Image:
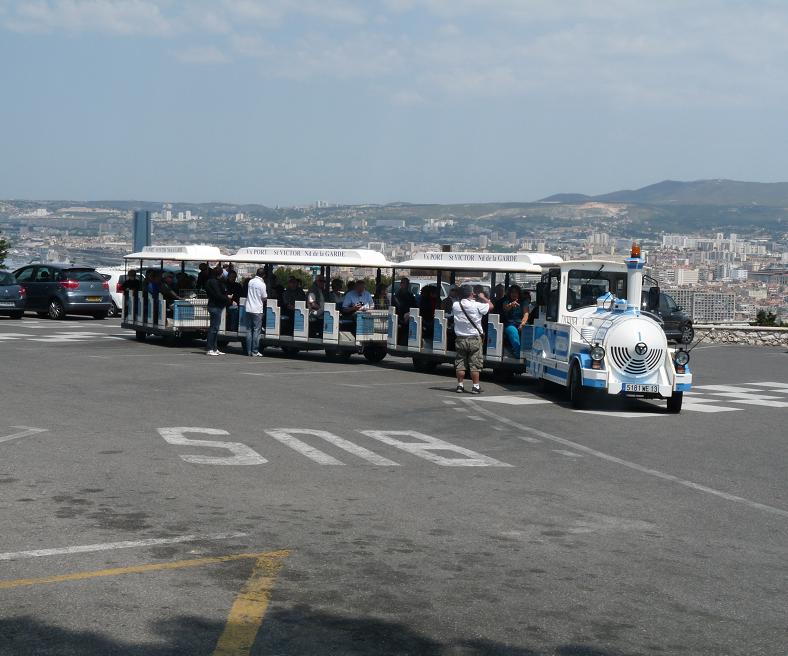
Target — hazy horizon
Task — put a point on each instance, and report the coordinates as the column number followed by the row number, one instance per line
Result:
column 287, row 102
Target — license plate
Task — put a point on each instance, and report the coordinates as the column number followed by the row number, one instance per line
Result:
column 633, row 387
column 7, row 304
column 94, row 299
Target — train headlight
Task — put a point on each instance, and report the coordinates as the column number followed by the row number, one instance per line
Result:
column 597, row 353
column 681, row 358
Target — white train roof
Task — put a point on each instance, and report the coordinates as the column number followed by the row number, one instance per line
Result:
column 608, row 265
column 179, row 253
column 508, row 262
column 350, row 257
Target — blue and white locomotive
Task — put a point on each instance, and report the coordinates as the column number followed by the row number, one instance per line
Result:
column 591, row 337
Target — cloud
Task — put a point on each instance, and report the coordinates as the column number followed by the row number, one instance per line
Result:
column 202, row 55
column 631, row 51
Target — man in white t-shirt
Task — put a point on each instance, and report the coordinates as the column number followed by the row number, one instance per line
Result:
column 467, row 313
column 256, row 296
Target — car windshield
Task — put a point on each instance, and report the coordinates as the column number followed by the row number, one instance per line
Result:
column 7, row 278
column 83, row 275
column 585, row 287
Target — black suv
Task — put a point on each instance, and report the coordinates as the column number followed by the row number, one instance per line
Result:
column 674, row 319
column 55, row 290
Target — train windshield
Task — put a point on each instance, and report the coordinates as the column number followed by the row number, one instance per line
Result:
column 585, row 287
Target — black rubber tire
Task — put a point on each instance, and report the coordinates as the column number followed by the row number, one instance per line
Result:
column 674, row 403
column 574, row 389
column 55, row 311
column 375, row 353
column 687, row 335
column 140, row 335
column 16, row 315
column 114, row 310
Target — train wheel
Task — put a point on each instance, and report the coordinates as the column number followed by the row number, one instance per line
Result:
column 674, row 403
column 374, row 353
column 140, row 335
column 575, row 391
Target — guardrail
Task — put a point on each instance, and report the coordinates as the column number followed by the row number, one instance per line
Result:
column 745, row 335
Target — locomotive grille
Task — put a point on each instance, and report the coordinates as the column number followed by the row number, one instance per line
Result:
column 634, row 364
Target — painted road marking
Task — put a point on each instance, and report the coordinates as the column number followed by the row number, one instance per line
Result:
column 244, row 455
column 109, row 546
column 514, row 400
column 633, row 465
column 24, row 431
column 286, row 437
column 569, row 454
column 292, row 373
column 426, row 445
column 781, row 387
column 249, row 608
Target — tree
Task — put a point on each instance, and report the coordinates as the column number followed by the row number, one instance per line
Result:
column 4, row 245
column 764, row 318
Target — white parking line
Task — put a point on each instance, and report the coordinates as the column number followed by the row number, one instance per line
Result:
column 25, row 431
column 109, row 546
column 633, row 465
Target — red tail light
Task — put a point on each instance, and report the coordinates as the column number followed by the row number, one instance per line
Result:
column 119, row 288
column 22, row 291
column 70, row 284
column 105, row 285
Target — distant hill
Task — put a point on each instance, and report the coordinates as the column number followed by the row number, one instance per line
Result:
column 697, row 192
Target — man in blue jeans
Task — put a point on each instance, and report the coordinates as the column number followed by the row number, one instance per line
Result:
column 217, row 301
column 256, row 296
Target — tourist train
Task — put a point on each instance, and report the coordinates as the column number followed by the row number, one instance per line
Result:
column 582, row 328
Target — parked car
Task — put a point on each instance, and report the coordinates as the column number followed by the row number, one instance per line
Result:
column 115, row 277
column 674, row 319
column 12, row 296
column 55, row 290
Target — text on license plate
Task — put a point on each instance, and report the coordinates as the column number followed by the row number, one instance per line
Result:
column 634, row 387
column 94, row 299
column 6, row 304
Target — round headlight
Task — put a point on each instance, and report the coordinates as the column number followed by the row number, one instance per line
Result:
column 681, row 358
column 597, row 352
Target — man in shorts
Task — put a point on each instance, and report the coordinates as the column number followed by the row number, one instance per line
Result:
column 467, row 313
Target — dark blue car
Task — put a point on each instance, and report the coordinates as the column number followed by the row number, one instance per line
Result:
column 12, row 296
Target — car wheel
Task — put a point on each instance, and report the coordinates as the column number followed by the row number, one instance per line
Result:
column 687, row 334
column 114, row 310
column 56, row 310
column 674, row 403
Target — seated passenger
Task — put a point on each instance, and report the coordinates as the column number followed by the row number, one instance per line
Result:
column 315, row 304
column 292, row 294
column 428, row 303
column 357, row 299
column 514, row 316
column 336, row 295
column 381, row 297
column 403, row 301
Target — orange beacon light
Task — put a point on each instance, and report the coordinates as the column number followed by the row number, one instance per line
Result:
column 635, row 252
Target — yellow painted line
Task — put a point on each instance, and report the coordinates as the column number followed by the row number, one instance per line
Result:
column 267, row 556
column 249, row 607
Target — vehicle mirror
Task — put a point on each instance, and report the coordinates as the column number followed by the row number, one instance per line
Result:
column 541, row 294
column 653, row 298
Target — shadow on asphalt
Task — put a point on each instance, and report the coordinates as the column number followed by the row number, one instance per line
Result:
column 299, row 631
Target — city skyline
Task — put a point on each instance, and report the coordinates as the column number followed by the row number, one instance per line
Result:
column 401, row 100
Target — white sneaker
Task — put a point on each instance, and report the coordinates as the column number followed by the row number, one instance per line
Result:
column 212, row 353
column 258, row 354
column 218, row 352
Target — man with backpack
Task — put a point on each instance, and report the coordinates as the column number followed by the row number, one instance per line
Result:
column 467, row 313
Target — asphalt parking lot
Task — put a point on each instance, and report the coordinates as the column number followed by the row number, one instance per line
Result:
column 156, row 501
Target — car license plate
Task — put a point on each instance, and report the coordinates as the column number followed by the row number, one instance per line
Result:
column 634, row 387
column 6, row 304
column 94, row 299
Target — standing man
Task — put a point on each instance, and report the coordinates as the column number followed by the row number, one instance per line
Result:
column 217, row 301
column 256, row 296
column 467, row 313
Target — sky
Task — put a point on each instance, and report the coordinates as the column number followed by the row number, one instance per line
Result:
column 355, row 101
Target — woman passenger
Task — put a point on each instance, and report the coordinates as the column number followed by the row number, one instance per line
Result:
column 514, row 316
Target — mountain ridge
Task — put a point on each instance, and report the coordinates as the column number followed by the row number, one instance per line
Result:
column 695, row 192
